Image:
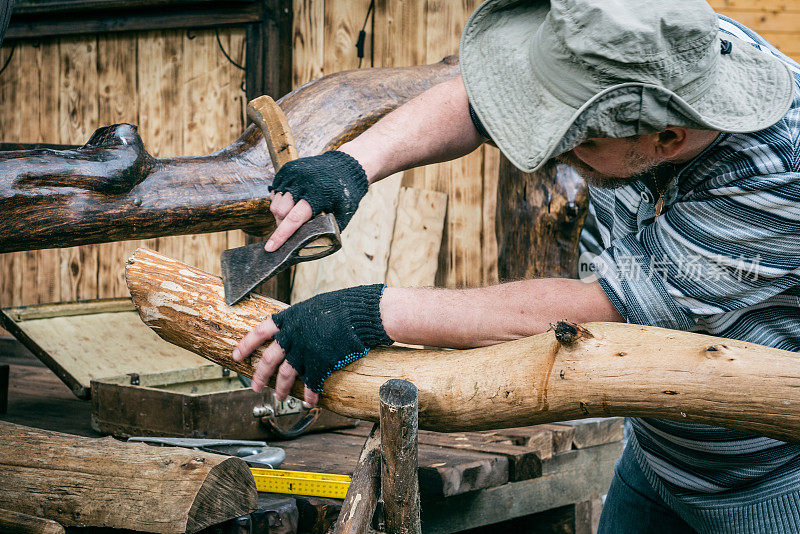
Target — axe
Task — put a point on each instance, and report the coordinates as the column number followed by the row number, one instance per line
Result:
column 245, row 268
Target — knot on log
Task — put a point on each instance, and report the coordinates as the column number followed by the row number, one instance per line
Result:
column 112, row 162
column 568, row 333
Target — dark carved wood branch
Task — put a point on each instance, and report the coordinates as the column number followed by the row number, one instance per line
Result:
column 111, row 189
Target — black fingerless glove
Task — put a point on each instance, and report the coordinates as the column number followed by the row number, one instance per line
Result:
column 326, row 332
column 333, row 182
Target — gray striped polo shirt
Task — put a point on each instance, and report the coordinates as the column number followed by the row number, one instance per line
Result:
column 723, row 259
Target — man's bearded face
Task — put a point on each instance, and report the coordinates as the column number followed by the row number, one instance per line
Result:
column 613, row 163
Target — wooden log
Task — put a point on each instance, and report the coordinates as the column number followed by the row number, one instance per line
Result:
column 111, row 189
column 399, row 483
column 16, row 523
column 362, row 495
column 596, row 370
column 79, row 481
column 539, row 220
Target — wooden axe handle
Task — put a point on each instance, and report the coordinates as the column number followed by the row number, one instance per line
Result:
column 269, row 117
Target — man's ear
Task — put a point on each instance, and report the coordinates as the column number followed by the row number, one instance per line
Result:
column 668, row 144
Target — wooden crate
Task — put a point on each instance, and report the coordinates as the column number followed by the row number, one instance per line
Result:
column 138, row 383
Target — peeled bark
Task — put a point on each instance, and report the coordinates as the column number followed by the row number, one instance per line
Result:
column 595, row 370
column 111, row 189
column 80, row 481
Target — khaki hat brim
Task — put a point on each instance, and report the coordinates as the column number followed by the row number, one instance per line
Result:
column 751, row 90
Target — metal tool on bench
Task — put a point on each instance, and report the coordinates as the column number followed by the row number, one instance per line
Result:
column 263, row 460
column 255, row 453
column 245, row 268
column 268, row 415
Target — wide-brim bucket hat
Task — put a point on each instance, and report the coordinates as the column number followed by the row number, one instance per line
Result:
column 545, row 76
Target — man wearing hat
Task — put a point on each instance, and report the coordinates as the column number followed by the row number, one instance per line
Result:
column 686, row 126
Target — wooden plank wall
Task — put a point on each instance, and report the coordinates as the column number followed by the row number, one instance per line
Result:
column 187, row 99
column 177, row 86
column 402, row 33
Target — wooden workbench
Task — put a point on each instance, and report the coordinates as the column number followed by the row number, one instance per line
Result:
column 545, row 478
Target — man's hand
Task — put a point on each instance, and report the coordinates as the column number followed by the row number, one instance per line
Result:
column 316, row 337
column 333, row 182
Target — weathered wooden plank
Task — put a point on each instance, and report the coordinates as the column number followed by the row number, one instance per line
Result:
column 595, row 431
column 400, row 33
column 160, row 56
column 417, row 238
column 118, row 101
column 461, row 262
column 11, row 265
column 769, row 20
column 78, row 118
column 233, row 101
column 399, row 41
column 523, row 461
column 206, row 126
column 47, row 284
column 491, row 169
column 562, row 437
column 572, row 477
column 535, row 438
column 343, row 21
column 732, row 6
column 308, row 37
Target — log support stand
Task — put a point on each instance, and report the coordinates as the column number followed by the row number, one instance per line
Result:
column 359, row 504
column 399, row 405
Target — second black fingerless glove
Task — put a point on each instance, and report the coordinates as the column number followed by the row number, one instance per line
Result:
column 326, row 332
column 333, row 182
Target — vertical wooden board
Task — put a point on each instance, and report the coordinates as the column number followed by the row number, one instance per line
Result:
column 118, row 101
column 77, row 119
column 343, row 21
column 491, row 168
column 417, row 237
column 160, row 56
column 13, row 97
column 400, row 41
column 27, row 118
column 400, row 33
column 365, row 246
column 206, row 127
column 48, row 67
column 234, row 101
column 461, row 262
column 308, row 37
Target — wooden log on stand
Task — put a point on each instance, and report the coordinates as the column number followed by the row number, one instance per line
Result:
column 399, row 482
column 359, row 504
column 112, row 189
column 80, row 481
column 574, row 372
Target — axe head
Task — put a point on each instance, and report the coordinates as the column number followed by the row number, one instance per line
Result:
column 245, row 268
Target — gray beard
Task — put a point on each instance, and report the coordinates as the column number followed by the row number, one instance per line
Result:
column 656, row 176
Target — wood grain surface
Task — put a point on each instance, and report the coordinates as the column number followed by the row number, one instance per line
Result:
column 81, row 481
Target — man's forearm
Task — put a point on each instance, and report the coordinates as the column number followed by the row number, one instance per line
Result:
column 433, row 127
column 464, row 318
